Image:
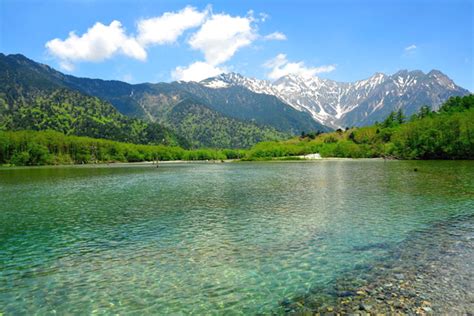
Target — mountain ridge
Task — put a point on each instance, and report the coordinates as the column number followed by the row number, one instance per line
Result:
column 152, row 101
column 362, row 102
column 36, row 96
column 290, row 104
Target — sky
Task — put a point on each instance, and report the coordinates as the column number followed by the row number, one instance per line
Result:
column 153, row 41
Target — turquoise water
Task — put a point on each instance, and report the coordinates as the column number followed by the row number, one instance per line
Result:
column 208, row 238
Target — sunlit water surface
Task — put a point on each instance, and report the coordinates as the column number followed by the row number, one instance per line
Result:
column 208, row 238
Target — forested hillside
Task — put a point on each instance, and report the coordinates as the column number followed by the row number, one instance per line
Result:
column 445, row 134
column 203, row 126
column 72, row 113
column 29, row 99
column 36, row 97
column 245, row 105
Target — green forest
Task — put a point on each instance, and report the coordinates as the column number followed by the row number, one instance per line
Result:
column 203, row 127
column 191, row 126
column 36, row 97
column 445, row 134
column 20, row 148
column 73, row 113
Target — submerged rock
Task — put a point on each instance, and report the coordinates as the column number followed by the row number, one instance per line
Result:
column 365, row 307
column 345, row 293
column 428, row 275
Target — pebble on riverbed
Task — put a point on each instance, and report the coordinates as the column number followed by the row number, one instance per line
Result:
column 405, row 286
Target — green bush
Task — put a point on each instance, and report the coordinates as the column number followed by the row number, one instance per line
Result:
column 21, row 158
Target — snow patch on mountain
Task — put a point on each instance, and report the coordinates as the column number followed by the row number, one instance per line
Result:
column 338, row 104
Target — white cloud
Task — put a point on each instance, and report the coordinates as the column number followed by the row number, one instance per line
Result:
column 196, row 71
column 280, row 66
column 166, row 28
column 263, row 17
column 276, row 36
column 222, row 35
column 219, row 37
column 98, row 43
column 101, row 41
column 410, row 48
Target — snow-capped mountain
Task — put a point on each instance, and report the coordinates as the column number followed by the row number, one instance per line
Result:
column 339, row 104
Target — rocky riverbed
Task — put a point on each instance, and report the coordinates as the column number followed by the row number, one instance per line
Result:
column 432, row 273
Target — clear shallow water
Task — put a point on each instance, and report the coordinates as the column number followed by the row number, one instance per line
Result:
column 208, row 238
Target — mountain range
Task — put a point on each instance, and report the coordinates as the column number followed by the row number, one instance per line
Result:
column 35, row 96
column 364, row 102
column 229, row 110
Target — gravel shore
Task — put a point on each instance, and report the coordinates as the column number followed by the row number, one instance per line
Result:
column 432, row 273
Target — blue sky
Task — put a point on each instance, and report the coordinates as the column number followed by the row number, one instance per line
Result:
column 153, row 41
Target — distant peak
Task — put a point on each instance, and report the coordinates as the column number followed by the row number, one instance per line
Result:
column 229, row 75
column 435, row 72
column 15, row 56
column 401, row 72
column 417, row 72
column 223, row 80
column 225, row 76
column 233, row 74
column 406, row 72
column 296, row 78
column 378, row 76
column 292, row 76
column 442, row 79
column 19, row 57
column 299, row 77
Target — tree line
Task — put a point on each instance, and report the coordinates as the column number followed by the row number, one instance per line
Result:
column 445, row 134
column 30, row 148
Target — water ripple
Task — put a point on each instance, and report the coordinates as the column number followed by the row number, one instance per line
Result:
column 208, row 238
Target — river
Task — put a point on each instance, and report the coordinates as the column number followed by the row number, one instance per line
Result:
column 215, row 238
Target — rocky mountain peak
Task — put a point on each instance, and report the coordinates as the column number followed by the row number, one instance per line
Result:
column 339, row 104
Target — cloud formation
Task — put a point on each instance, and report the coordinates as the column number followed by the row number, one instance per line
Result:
column 410, row 48
column 167, row 28
column 219, row 38
column 196, row 71
column 97, row 44
column 280, row 66
column 222, row 35
column 101, row 41
column 275, row 36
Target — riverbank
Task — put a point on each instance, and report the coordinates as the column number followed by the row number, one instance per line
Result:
column 425, row 275
column 168, row 162
column 137, row 163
